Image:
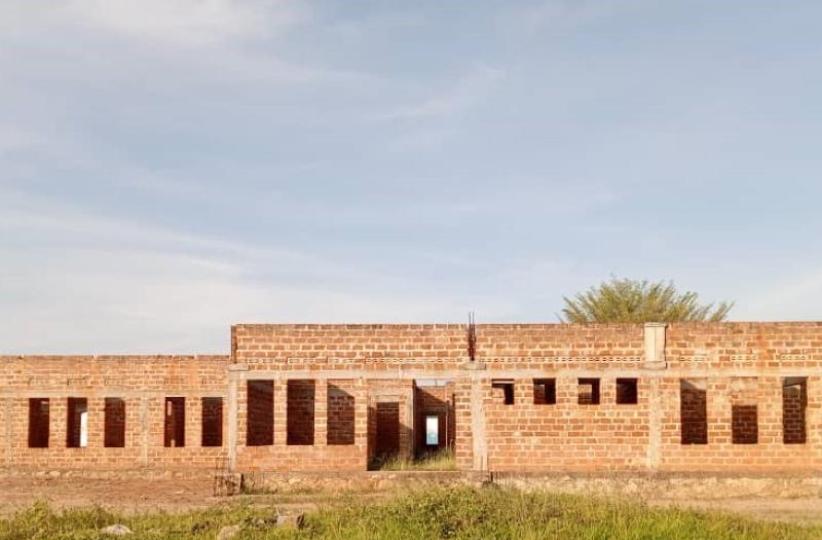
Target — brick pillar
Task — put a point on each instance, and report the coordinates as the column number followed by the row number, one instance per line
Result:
column 58, row 411
column 655, row 362
column 7, row 404
column 654, row 456
column 719, row 410
column 320, row 412
column 145, row 430
column 236, row 375
column 96, row 422
column 463, row 438
column 361, row 420
column 280, row 412
column 193, row 423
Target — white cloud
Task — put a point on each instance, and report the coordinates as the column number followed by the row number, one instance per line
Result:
column 187, row 22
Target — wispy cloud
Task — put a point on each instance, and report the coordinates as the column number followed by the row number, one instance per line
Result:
column 559, row 15
column 469, row 90
column 78, row 282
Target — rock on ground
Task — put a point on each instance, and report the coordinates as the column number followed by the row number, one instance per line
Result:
column 116, row 530
column 228, row 532
column 290, row 520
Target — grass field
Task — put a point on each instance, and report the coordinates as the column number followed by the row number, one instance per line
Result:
column 439, row 513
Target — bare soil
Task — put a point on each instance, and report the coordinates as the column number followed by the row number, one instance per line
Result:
column 800, row 510
column 132, row 495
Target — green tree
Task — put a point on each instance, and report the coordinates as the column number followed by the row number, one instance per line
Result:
column 632, row 301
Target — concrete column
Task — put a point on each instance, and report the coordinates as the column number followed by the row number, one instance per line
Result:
column 478, row 439
column 655, row 345
column 654, row 360
column 236, row 373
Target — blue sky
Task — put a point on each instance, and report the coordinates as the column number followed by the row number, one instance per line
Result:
column 168, row 167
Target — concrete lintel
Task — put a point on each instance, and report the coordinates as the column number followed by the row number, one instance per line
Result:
column 655, row 365
column 237, row 367
column 455, row 375
column 99, row 393
column 473, row 366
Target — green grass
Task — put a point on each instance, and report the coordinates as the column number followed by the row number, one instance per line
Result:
column 435, row 461
column 436, row 513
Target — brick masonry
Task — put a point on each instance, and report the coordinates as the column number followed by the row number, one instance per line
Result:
column 747, row 397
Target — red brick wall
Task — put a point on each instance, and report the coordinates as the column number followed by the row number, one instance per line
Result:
column 281, row 456
column 142, row 381
column 341, row 413
column 566, row 436
column 761, row 354
column 741, row 366
column 432, row 347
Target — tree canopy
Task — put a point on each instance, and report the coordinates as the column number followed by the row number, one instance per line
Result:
column 633, row 301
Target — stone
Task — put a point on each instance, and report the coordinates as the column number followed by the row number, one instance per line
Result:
column 117, row 529
column 228, row 532
column 294, row 520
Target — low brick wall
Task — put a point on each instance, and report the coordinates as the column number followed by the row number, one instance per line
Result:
column 664, row 486
column 364, row 481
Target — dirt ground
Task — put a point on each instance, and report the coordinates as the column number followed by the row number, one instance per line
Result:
column 180, row 495
column 171, row 495
column 800, row 510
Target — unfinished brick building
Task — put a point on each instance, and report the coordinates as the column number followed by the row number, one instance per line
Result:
column 731, row 397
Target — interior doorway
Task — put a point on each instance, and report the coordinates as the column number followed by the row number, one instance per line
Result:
column 388, row 430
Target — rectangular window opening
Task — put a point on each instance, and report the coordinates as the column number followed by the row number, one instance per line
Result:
column 212, row 421
column 545, row 391
column 340, row 415
column 175, row 424
column 588, row 392
column 260, row 417
column 300, row 412
column 503, row 390
column 794, row 403
column 38, row 422
column 114, row 431
column 744, row 425
column 693, row 411
column 626, row 392
column 432, row 430
column 77, row 423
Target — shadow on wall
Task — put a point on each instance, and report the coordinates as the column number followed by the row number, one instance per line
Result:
column 385, row 432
